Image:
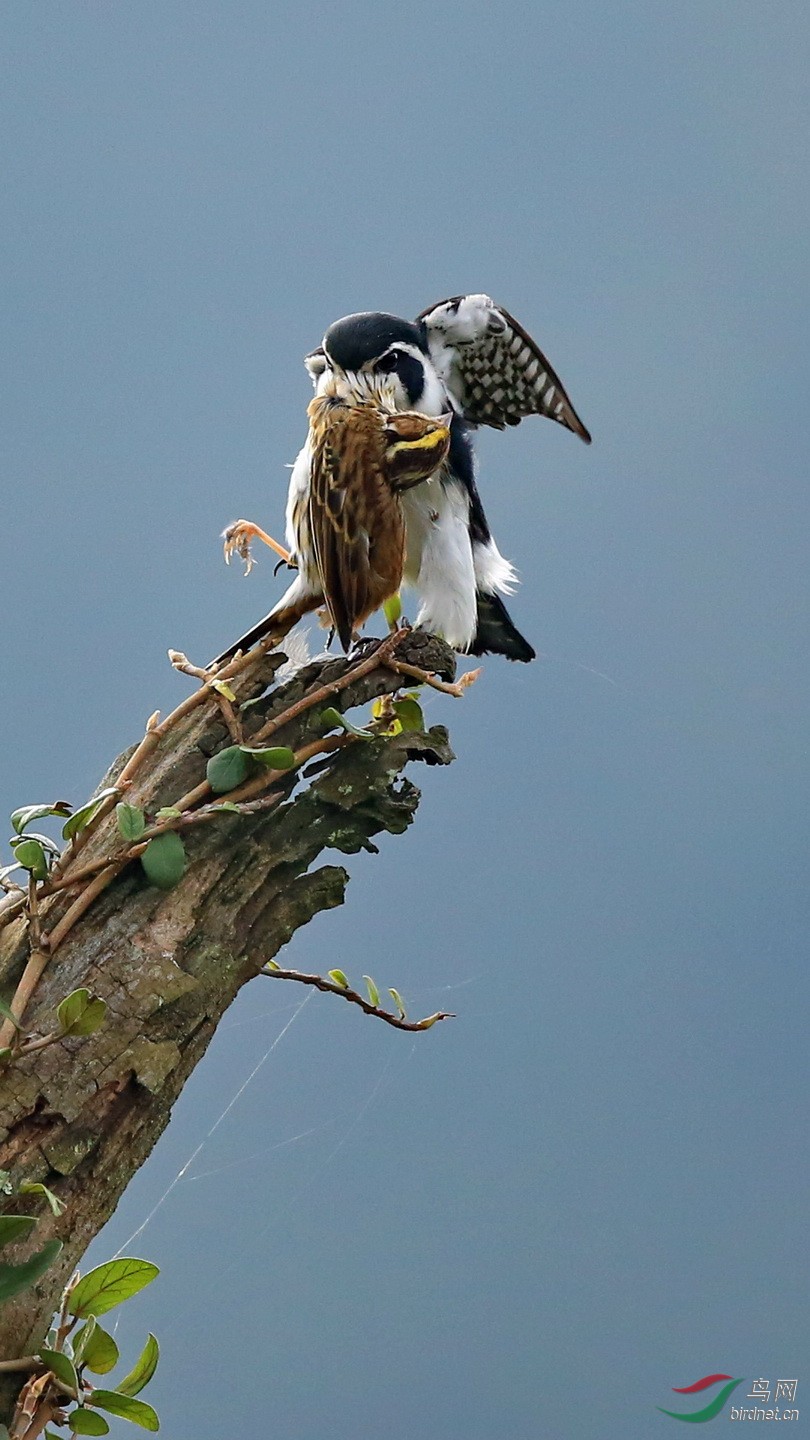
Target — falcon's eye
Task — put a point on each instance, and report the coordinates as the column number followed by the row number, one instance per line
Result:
column 409, row 371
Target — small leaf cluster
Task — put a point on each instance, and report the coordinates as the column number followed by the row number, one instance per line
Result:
column 35, row 852
column 164, row 856
column 229, row 768
column 388, row 717
column 93, row 1349
column 340, row 980
column 402, row 713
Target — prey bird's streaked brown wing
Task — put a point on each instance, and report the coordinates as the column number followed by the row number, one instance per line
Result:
column 356, row 522
column 493, row 367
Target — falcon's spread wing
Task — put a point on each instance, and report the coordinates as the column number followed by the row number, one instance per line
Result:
column 492, row 367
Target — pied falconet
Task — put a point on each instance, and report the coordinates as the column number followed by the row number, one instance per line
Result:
column 469, row 357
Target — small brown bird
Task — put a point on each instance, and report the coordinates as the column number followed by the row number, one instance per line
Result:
column 349, row 524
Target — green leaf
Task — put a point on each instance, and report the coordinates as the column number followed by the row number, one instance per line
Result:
column 44, row 840
column 397, row 999
column 81, row 1013
column 62, row 1367
column 277, row 757
column 227, row 769
column 8, row 1014
column 31, row 856
column 142, row 1372
column 81, row 818
column 409, row 712
column 14, row 1278
column 100, row 1352
column 168, row 812
column 28, row 813
column 15, row 1227
column 72, row 1007
column 6, row 1053
column 164, row 860
column 373, row 992
column 392, row 609
column 135, row 1410
column 108, row 1285
column 223, row 688
column 35, row 1187
column 81, row 1340
column 331, row 718
column 227, row 805
column 92, row 1019
column 339, row 979
column 131, row 822
column 86, row 1422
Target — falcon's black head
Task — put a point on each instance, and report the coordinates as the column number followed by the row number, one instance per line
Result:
column 380, row 348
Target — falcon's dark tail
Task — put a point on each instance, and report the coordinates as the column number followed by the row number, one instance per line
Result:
column 495, row 634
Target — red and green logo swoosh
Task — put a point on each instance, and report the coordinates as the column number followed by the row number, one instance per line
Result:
column 696, row 1417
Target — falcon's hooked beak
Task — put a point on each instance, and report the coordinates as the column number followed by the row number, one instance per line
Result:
column 417, row 446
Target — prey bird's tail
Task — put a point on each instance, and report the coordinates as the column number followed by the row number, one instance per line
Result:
column 297, row 602
column 495, row 633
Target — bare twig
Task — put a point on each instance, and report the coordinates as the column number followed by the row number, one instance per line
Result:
column 156, row 729
column 182, row 663
column 378, row 657
column 37, row 961
column 82, row 903
column 426, row 677
column 355, row 998
column 10, row 908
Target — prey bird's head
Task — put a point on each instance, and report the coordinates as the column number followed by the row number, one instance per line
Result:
column 415, row 447
column 378, row 357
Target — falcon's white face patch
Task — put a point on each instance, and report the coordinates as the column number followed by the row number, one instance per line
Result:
column 358, row 387
column 386, row 390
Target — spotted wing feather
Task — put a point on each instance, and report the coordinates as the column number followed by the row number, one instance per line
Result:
column 493, row 367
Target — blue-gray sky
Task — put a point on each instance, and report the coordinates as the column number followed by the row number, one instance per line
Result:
column 591, row 1186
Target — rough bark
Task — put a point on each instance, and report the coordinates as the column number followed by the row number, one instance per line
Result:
column 83, row 1114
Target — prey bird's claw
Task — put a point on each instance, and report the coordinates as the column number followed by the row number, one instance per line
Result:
column 237, row 540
